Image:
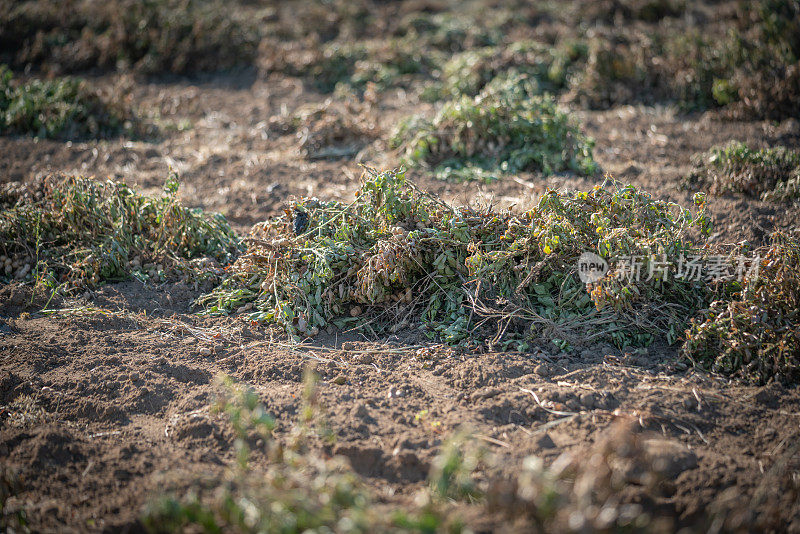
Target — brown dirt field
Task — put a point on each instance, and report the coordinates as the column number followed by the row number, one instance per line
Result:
column 101, row 411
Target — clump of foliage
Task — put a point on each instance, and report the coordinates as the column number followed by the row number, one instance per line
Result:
column 607, row 69
column 691, row 69
column 452, row 473
column 615, row 71
column 751, row 70
column 696, row 70
column 746, row 64
column 397, row 256
column 453, row 32
column 508, row 126
column 769, row 173
column 389, row 65
column 550, row 68
column 766, row 82
column 152, row 36
column 754, row 333
column 64, row 107
column 326, row 20
column 344, row 66
column 80, row 231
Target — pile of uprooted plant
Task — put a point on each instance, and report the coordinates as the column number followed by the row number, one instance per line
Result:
column 507, row 128
column 399, row 260
column 772, row 174
column 743, row 60
column 158, row 36
column 66, row 231
column 397, row 254
column 60, row 108
column 397, row 257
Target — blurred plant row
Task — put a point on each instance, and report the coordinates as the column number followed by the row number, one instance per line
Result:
column 287, row 483
column 743, row 56
column 63, row 108
column 502, row 77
